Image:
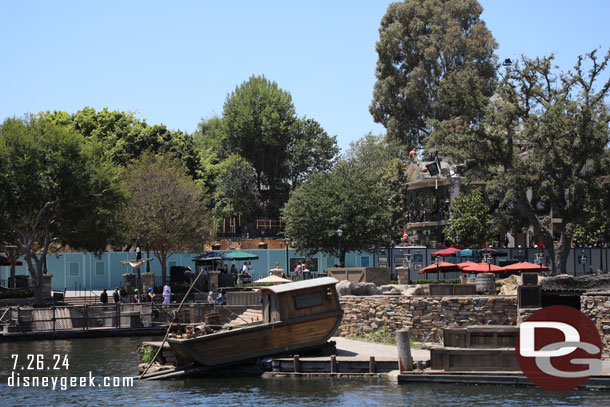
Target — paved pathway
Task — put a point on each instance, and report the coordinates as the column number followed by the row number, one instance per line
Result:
column 363, row 350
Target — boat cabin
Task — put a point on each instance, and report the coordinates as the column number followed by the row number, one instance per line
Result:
column 298, row 300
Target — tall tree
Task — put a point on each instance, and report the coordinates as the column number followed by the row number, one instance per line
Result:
column 435, row 61
column 235, row 190
column 543, row 147
column 55, row 188
column 470, row 222
column 257, row 117
column 166, row 208
column 348, row 198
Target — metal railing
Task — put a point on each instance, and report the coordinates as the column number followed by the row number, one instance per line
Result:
column 85, row 317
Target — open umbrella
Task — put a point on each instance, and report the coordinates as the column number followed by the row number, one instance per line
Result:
column 442, row 266
column 483, row 268
column 524, row 267
column 273, row 279
column 466, row 253
column 465, row 264
column 241, row 255
column 448, row 252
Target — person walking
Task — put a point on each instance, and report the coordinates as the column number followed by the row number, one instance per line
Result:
column 167, row 293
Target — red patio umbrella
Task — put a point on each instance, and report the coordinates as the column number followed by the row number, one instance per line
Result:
column 463, row 265
column 524, row 267
column 442, row 266
column 483, row 268
column 448, row 252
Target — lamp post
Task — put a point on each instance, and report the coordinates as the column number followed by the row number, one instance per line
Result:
column 340, row 235
column 409, row 259
column 437, row 260
column 583, row 260
column 286, row 242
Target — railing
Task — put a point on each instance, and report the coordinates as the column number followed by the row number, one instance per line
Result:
column 85, row 317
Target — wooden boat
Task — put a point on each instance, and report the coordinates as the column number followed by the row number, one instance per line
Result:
column 296, row 316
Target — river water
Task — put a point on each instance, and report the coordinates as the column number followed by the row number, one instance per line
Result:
column 118, row 357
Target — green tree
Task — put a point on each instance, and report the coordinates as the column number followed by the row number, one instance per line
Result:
column 166, row 208
column 55, row 188
column 435, row 61
column 349, row 198
column 257, row 117
column 125, row 137
column 385, row 158
column 543, row 148
column 235, row 189
column 470, row 222
column 310, row 150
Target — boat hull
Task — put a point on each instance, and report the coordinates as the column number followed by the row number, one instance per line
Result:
column 234, row 346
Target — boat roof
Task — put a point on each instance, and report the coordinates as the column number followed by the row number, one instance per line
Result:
column 299, row 285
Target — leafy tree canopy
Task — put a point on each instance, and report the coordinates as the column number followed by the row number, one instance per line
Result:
column 166, row 208
column 470, row 222
column 435, row 61
column 543, row 148
column 55, row 187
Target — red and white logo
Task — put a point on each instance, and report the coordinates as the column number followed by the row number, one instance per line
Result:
column 559, row 348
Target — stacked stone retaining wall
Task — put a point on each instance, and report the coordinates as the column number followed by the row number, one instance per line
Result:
column 425, row 317
column 597, row 307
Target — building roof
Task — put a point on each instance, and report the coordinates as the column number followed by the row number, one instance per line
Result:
column 299, row 285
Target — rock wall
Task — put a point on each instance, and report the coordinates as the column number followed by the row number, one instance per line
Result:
column 425, row 317
column 597, row 307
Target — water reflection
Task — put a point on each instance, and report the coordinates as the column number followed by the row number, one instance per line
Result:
column 119, row 357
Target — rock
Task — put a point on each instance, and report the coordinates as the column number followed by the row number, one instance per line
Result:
column 372, row 289
column 345, row 287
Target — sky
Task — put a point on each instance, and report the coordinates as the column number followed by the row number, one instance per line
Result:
column 176, row 62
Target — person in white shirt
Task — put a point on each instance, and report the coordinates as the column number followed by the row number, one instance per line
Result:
column 167, row 293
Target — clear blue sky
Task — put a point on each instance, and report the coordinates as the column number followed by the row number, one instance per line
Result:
column 175, row 62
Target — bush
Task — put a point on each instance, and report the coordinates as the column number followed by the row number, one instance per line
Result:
column 16, row 293
column 147, row 353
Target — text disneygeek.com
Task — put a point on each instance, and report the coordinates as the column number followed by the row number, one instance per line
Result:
column 66, row 382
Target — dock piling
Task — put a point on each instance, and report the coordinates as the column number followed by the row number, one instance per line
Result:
column 403, row 342
column 333, row 363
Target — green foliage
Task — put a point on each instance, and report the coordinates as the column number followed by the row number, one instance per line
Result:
column 436, row 62
column 16, row 293
column 547, row 134
column 147, row 353
column 470, row 222
column 166, row 208
column 235, row 188
column 259, row 123
column 350, row 198
column 56, row 187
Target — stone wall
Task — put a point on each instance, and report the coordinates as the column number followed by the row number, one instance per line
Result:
column 425, row 317
column 597, row 307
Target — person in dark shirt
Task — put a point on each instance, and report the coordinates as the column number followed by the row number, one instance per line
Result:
column 104, row 297
column 124, row 295
column 116, row 296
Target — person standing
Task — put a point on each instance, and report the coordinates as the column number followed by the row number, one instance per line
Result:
column 167, row 293
column 104, row 297
column 150, row 295
column 116, row 296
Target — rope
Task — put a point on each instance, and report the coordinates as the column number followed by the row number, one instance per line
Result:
column 170, row 325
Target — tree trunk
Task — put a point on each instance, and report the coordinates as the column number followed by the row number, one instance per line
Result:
column 163, row 260
column 36, row 275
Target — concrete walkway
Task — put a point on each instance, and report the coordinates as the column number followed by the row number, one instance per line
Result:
column 364, row 350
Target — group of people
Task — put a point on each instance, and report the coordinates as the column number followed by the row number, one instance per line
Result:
column 136, row 298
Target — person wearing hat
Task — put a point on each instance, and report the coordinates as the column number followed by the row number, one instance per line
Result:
column 167, row 293
column 150, row 295
column 211, row 297
column 136, row 296
column 221, row 298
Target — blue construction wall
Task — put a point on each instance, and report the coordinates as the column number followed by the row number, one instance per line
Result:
column 86, row 271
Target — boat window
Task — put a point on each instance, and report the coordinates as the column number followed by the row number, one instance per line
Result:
column 308, row 300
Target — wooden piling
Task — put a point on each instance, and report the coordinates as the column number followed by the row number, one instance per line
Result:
column 372, row 365
column 333, row 363
column 296, row 364
column 403, row 342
